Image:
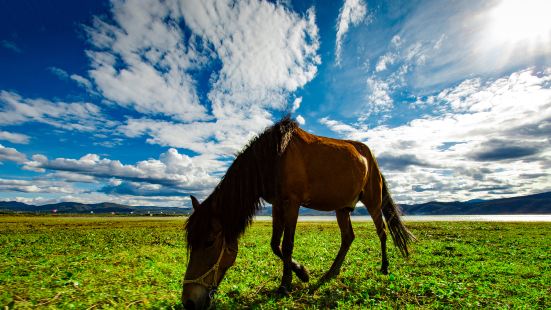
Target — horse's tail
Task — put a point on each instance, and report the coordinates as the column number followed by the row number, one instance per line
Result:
column 400, row 234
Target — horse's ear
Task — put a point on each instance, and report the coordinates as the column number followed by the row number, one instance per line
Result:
column 194, row 202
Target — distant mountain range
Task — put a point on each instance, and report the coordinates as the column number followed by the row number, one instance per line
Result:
column 532, row 204
column 82, row 208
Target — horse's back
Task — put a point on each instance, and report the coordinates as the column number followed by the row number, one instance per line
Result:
column 323, row 173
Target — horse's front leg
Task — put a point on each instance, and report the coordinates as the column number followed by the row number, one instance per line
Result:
column 278, row 226
column 290, row 216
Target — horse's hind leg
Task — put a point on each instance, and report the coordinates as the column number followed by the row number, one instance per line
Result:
column 347, row 236
column 374, row 208
column 277, row 232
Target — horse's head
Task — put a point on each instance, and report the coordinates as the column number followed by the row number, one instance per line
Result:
column 210, row 256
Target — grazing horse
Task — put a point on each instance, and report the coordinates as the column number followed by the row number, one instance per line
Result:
column 288, row 168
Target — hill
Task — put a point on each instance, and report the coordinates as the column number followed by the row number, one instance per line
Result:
column 82, row 208
column 532, row 204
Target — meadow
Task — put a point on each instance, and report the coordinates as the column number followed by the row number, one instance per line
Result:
column 137, row 262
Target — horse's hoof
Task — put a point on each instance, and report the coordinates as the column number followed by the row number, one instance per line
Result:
column 283, row 291
column 302, row 274
column 384, row 270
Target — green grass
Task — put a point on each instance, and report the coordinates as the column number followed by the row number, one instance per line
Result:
column 112, row 262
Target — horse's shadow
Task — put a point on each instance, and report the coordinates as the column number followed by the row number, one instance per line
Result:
column 267, row 293
column 264, row 294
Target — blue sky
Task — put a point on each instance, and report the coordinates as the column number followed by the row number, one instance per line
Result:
column 145, row 102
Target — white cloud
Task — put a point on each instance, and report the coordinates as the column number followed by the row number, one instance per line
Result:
column 82, row 116
column 339, row 127
column 36, row 186
column 11, row 154
column 378, row 95
column 142, row 60
column 492, row 140
column 67, row 176
column 172, row 170
column 300, row 120
column 384, row 61
column 210, row 139
column 14, row 137
column 265, row 51
column 145, row 60
column 452, row 41
column 81, row 81
column 352, row 13
column 296, row 104
column 160, row 201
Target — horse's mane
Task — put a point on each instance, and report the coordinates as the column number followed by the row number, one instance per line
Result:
column 250, row 177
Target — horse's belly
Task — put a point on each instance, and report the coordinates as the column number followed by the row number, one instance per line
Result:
column 331, row 178
column 322, row 197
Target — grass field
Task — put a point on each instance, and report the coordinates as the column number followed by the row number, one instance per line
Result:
column 115, row 262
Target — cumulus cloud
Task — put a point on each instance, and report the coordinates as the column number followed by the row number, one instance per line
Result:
column 339, row 127
column 490, row 135
column 14, row 137
column 141, row 61
column 222, row 138
column 378, row 95
column 11, row 154
column 172, row 170
column 152, row 57
column 67, row 176
column 265, row 51
column 36, row 186
column 82, row 116
column 352, row 13
column 95, row 197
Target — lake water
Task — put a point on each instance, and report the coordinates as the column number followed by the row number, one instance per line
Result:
column 434, row 218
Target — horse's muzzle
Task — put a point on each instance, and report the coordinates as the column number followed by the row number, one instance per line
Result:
column 195, row 297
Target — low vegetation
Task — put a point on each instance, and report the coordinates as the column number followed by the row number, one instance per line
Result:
column 114, row 262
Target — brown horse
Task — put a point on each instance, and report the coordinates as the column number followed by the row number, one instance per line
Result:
column 288, row 168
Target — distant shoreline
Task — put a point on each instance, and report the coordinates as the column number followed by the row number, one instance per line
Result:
column 434, row 218
column 533, row 218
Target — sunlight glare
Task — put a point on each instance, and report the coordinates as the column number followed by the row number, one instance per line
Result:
column 526, row 21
